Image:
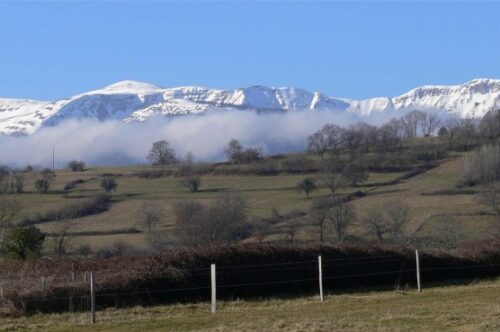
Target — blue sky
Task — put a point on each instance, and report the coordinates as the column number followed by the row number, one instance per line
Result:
column 51, row 50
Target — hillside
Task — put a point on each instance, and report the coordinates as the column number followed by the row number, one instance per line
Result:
column 429, row 195
column 137, row 101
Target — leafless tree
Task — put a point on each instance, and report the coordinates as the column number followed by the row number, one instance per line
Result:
column 191, row 182
column 61, row 239
column 319, row 213
column 430, row 123
column 150, row 215
column 317, row 144
column 490, row 124
column 162, row 154
column 222, row 222
column 411, row 121
column 292, row 227
column 482, row 166
column 234, row 150
column 43, row 180
column 398, row 216
column 374, row 219
column 333, row 182
column 341, row 217
column 329, row 139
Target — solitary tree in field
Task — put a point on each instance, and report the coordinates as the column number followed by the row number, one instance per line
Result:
column 398, row 215
column 341, row 216
column 191, row 182
column 76, row 166
column 375, row 220
column 319, row 214
column 108, row 184
column 162, row 154
column 150, row 215
column 355, row 174
column 43, row 179
column 307, row 185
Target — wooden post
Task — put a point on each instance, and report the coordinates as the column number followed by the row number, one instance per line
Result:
column 214, row 296
column 320, row 267
column 92, row 298
column 43, row 284
column 418, row 270
column 2, row 295
column 72, row 280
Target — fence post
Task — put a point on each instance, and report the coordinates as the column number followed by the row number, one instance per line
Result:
column 214, row 296
column 417, row 261
column 320, row 267
column 43, row 284
column 72, row 280
column 92, row 298
column 1, row 292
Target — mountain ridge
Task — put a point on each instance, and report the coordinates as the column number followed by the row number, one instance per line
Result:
column 137, row 101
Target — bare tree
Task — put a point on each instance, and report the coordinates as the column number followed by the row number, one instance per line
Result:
column 341, row 216
column 482, row 166
column 234, row 150
column 317, row 144
column 108, row 184
column 411, row 121
column 191, row 182
column 398, row 216
column 490, row 197
column 61, row 239
column 162, row 154
column 319, row 214
column 430, row 123
column 222, row 222
column 43, row 180
column 150, row 215
column 332, row 181
column 376, row 223
column 292, row 227
column 76, row 166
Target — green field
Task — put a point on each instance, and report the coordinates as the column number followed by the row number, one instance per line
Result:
column 472, row 307
column 263, row 193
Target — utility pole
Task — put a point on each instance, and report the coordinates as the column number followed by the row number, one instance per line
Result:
column 53, row 158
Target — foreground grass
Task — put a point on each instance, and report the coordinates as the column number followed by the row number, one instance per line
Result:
column 473, row 307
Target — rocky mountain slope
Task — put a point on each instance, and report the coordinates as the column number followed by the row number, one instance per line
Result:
column 135, row 101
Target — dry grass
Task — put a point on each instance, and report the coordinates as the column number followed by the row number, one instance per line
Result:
column 472, row 307
column 263, row 194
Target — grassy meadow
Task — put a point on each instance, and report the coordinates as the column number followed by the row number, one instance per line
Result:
column 470, row 307
column 429, row 195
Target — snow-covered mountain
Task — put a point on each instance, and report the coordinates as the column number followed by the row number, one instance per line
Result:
column 135, row 101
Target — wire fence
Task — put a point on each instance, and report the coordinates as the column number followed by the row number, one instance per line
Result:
column 235, row 281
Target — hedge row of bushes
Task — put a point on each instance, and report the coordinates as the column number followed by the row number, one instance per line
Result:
column 243, row 271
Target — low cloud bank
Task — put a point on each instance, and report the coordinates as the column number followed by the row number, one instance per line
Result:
column 206, row 136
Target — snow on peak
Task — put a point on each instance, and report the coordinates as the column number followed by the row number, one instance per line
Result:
column 138, row 101
column 129, row 86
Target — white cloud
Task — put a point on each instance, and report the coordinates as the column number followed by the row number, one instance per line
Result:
column 118, row 143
